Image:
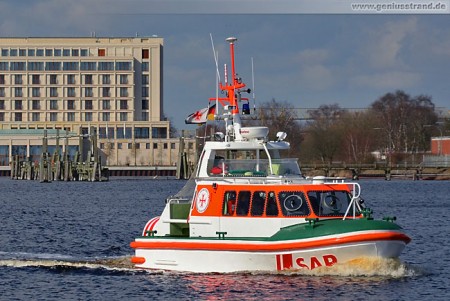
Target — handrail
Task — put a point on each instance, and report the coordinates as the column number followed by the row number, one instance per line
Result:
column 356, row 192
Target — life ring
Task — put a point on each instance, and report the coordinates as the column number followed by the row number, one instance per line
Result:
column 293, row 203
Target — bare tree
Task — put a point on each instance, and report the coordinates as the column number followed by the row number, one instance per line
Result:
column 324, row 133
column 402, row 119
column 282, row 117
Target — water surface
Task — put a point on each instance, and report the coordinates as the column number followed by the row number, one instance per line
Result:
column 71, row 240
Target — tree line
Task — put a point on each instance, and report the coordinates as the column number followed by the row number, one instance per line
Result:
column 395, row 126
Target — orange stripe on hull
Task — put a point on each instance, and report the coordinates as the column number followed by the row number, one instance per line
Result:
column 228, row 245
column 137, row 260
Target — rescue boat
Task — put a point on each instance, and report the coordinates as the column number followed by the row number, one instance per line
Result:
column 247, row 208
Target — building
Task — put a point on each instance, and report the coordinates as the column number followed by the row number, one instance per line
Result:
column 440, row 146
column 113, row 85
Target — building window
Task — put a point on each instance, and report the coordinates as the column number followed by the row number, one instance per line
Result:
column 141, row 132
column 53, row 92
column 53, row 116
column 123, row 79
column 106, row 91
column 17, row 116
column 88, row 116
column 18, row 66
column 105, row 66
column 144, row 116
column 75, row 52
column 53, row 79
column 53, row 104
column 145, row 104
column 88, row 79
column 52, row 66
column 13, row 52
column 123, row 116
column 22, row 52
column 88, row 92
column 123, row 92
column 2, row 104
column 145, row 79
column 71, row 92
column 66, row 52
column 145, row 66
column 70, row 116
column 159, row 132
column 35, row 66
column 35, row 92
column 5, row 52
column 101, row 52
column 35, row 79
column 2, row 92
column 145, row 53
column 172, row 145
column 70, row 79
column 36, row 104
column 130, row 146
column 40, row 52
column 145, row 91
column 92, row 66
column 106, row 79
column 102, row 145
column 106, row 116
column 123, row 104
column 2, row 79
column 2, row 116
column 165, row 145
column 119, row 145
column 84, row 52
column 121, row 66
column 18, row 79
column 147, row 146
column 137, row 145
column 35, row 117
column 70, row 66
column 48, row 52
column 106, row 104
column 4, row 66
column 31, row 52
column 155, row 145
column 88, row 104
column 71, row 104
column 18, row 92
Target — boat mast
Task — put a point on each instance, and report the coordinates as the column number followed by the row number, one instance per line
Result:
column 234, row 93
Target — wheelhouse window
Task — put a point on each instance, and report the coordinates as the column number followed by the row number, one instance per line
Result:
column 243, row 204
column 293, row 203
column 258, row 202
column 330, row 203
column 229, row 203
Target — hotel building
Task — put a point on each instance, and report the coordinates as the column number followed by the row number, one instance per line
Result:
column 73, row 84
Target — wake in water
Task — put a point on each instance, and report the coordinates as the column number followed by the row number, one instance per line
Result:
column 61, row 262
column 363, row 267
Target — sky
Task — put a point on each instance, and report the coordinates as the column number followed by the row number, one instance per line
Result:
column 300, row 54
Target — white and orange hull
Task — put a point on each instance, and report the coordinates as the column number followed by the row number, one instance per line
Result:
column 219, row 255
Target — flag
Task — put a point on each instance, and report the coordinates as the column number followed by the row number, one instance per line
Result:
column 201, row 116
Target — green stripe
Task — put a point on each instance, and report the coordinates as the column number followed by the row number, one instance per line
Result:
column 307, row 230
column 331, row 227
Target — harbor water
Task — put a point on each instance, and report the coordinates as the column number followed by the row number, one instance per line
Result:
column 70, row 241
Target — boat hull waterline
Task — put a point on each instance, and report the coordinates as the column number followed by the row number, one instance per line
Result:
column 226, row 255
